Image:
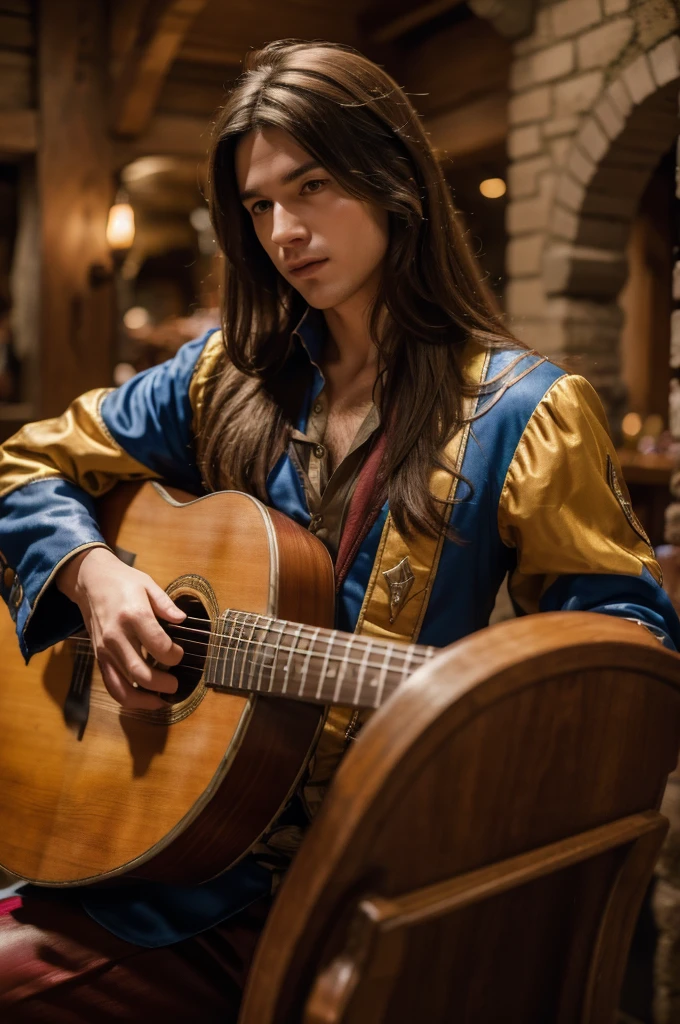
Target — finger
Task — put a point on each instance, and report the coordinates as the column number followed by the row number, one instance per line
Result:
column 162, row 605
column 156, row 641
column 128, row 660
column 125, row 694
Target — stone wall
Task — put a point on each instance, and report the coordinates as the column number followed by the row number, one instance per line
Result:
column 593, row 109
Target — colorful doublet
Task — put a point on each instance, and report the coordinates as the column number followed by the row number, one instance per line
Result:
column 540, row 499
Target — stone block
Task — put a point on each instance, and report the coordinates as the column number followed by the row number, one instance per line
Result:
column 665, row 61
column 526, row 216
column 572, row 16
column 593, row 140
column 559, row 149
column 547, row 337
column 556, row 126
column 523, row 176
column 620, row 97
column 616, row 6
column 581, row 166
column 639, row 80
column 541, row 36
column 577, row 94
column 602, row 45
column 524, row 142
column 533, row 105
column 564, row 223
column 523, row 255
column 555, row 62
column 570, row 193
column 521, row 74
column 609, row 117
column 525, row 297
column 656, row 19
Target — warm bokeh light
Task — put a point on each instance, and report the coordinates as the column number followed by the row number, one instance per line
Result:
column 123, row 372
column 120, row 229
column 492, row 188
column 136, row 317
column 631, row 425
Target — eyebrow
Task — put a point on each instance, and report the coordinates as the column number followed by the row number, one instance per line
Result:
column 293, row 175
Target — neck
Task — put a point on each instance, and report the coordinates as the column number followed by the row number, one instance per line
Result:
column 350, row 343
column 256, row 654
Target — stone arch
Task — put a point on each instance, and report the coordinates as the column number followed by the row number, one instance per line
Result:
column 632, row 124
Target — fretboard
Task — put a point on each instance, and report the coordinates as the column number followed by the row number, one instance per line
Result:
column 257, row 654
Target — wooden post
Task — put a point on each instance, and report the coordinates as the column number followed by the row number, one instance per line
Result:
column 75, row 186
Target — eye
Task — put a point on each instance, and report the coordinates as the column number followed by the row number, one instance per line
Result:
column 261, row 206
column 314, row 185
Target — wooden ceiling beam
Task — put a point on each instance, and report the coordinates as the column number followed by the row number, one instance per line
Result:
column 167, row 135
column 391, row 19
column 160, row 32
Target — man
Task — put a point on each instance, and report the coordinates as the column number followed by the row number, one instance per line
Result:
column 369, row 391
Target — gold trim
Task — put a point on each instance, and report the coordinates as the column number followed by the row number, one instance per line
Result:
column 423, row 553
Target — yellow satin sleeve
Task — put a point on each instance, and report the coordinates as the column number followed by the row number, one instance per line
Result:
column 210, row 365
column 564, row 504
column 76, row 446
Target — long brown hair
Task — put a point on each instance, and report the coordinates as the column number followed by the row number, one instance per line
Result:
column 348, row 114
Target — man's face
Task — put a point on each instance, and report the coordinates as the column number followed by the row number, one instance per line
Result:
column 327, row 244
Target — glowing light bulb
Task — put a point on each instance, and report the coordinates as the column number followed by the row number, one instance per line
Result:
column 120, row 228
column 492, row 188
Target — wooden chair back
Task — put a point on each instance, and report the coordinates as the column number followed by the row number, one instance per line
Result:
column 485, row 846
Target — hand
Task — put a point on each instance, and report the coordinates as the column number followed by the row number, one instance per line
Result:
column 120, row 607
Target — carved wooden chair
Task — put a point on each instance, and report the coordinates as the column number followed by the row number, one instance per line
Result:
column 484, row 849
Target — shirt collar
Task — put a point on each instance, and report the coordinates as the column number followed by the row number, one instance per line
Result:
column 312, row 331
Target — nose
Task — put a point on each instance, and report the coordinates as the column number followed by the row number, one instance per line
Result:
column 287, row 229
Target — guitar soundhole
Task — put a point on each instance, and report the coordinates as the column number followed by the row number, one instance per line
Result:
column 193, row 637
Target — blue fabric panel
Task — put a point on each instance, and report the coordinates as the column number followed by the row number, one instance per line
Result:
column 286, row 492
column 41, row 524
column 150, row 418
column 629, row 597
column 472, row 567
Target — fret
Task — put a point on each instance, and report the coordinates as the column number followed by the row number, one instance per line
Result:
column 291, row 654
column 253, row 655
column 229, row 637
column 343, row 669
column 405, row 668
column 383, row 672
column 247, row 653
column 263, row 659
column 362, row 671
column 330, row 639
column 275, row 658
column 308, row 658
column 234, row 650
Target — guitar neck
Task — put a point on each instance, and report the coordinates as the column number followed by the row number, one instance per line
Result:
column 256, row 654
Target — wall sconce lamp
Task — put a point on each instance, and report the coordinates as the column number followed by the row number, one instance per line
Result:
column 120, row 234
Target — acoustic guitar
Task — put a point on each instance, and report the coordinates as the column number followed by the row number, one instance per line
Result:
column 90, row 791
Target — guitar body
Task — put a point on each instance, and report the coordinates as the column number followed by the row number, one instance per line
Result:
column 176, row 795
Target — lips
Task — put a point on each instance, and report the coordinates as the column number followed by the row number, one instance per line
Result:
column 300, row 268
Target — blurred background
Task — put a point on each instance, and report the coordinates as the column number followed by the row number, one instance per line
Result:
column 556, row 126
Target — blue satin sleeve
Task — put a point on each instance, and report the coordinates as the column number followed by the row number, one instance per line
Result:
column 639, row 598
column 52, row 472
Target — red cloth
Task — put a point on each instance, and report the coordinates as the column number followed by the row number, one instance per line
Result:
column 364, row 509
column 57, row 966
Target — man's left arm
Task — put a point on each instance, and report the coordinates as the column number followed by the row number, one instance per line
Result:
column 565, row 508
